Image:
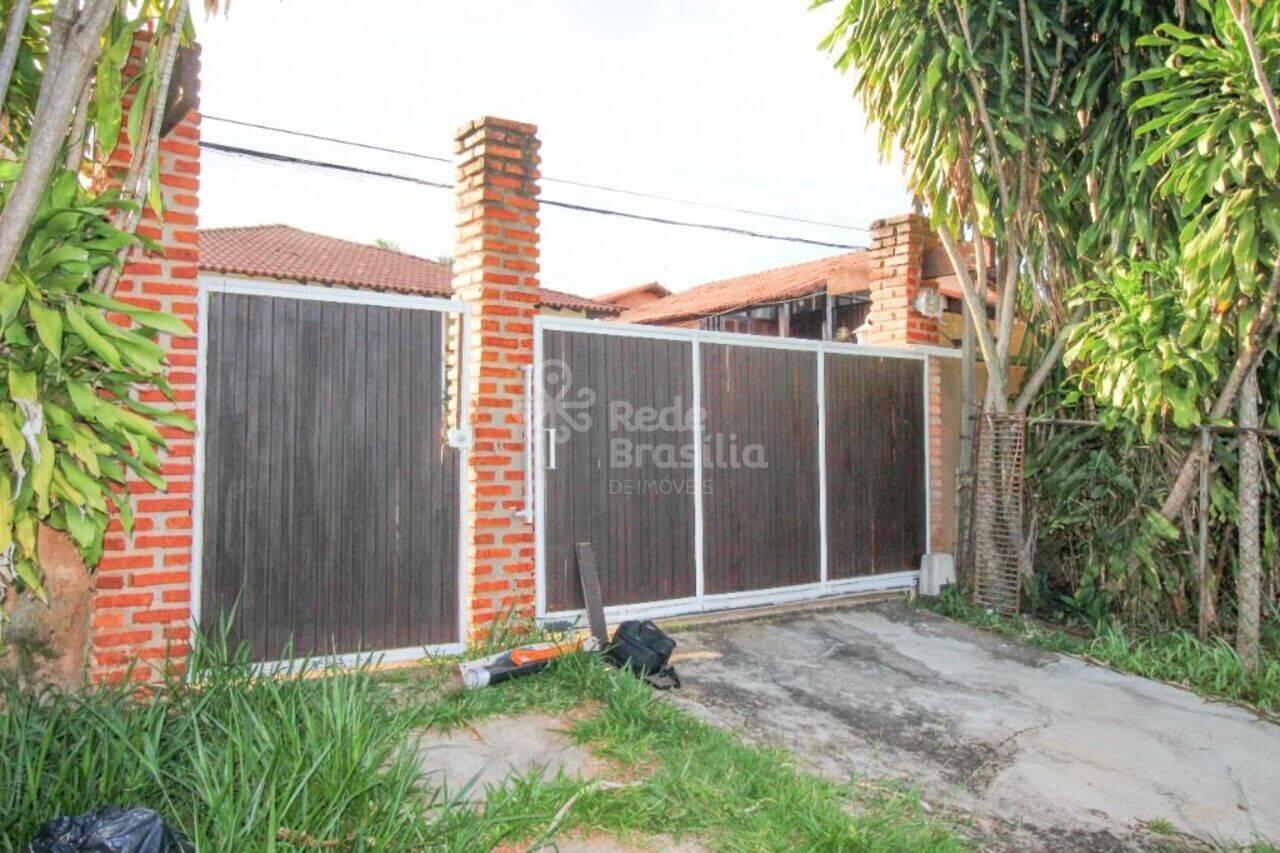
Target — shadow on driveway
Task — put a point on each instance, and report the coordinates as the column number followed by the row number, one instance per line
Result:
column 1044, row 750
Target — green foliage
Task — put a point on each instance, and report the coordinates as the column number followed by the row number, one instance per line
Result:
column 1095, row 493
column 72, row 427
column 70, row 423
column 230, row 761
column 1011, row 133
column 1162, row 336
column 1130, row 144
column 1208, row 137
column 1129, row 355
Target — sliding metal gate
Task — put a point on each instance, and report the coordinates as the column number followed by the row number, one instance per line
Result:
column 329, row 502
column 713, row 470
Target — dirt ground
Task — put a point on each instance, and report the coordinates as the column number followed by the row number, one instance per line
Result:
column 1039, row 750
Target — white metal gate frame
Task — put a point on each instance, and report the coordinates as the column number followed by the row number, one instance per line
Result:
column 325, row 293
column 701, row 601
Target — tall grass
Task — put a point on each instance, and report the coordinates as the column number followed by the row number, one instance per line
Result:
column 1212, row 668
column 1209, row 668
column 233, row 762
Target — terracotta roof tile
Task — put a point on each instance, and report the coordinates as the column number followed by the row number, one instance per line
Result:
column 731, row 294
column 652, row 286
column 291, row 254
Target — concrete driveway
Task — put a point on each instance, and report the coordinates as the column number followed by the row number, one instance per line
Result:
column 1044, row 751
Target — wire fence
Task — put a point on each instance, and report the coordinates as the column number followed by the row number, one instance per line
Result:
column 1130, row 474
column 997, row 512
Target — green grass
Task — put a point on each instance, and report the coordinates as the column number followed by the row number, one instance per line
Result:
column 685, row 778
column 291, row 763
column 1211, row 669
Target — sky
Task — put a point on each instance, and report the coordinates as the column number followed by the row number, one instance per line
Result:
column 727, row 102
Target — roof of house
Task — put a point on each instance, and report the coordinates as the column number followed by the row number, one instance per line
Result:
column 284, row 252
column 732, row 294
column 648, row 287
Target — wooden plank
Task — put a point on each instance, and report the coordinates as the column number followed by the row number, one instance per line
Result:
column 280, row 631
column 591, row 593
column 307, row 616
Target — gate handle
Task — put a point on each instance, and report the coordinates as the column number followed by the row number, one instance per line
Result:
column 551, row 454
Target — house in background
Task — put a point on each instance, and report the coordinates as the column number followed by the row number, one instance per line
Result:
column 634, row 297
column 827, row 299
column 286, row 254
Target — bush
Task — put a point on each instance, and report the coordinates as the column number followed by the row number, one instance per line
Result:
column 233, row 762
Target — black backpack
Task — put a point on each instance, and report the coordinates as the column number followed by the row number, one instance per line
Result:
column 645, row 649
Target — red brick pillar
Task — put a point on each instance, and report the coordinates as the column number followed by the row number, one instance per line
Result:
column 142, row 589
column 898, row 245
column 495, row 272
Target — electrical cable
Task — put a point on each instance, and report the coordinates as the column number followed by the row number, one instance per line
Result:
column 290, row 159
column 434, row 158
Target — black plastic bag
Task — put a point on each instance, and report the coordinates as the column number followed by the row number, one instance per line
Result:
column 109, row 830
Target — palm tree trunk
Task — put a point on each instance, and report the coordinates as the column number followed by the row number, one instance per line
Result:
column 136, row 182
column 1256, row 336
column 14, row 29
column 75, row 61
column 1249, row 574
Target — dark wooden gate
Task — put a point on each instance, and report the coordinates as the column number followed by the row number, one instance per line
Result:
column 330, row 502
column 811, row 460
column 875, row 465
column 613, row 478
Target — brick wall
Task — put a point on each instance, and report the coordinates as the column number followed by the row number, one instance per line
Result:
column 142, row 586
column 898, row 247
column 496, row 274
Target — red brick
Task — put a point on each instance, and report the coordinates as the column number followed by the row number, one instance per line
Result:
column 126, row 561
column 168, row 541
column 174, row 614
column 125, row 599
column 120, row 638
column 159, row 578
column 108, row 619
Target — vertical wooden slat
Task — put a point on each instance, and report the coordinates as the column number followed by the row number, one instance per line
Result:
column 424, row 591
column 244, row 388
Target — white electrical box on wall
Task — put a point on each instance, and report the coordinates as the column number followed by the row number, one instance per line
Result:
column 460, row 438
column 929, row 303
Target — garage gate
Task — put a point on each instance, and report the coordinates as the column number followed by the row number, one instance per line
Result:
column 329, row 501
column 714, row 470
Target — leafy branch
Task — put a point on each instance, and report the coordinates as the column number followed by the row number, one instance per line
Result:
column 76, row 363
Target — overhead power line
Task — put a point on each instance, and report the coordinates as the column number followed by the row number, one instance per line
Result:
column 349, row 142
column 435, row 158
column 289, row 159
